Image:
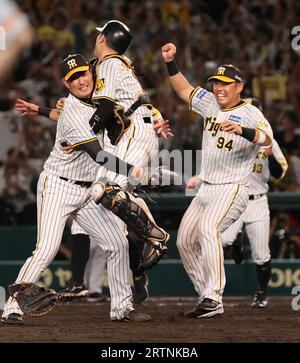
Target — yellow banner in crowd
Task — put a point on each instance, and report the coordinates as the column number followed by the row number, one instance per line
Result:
column 274, row 87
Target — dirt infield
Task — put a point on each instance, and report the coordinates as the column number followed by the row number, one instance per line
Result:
column 86, row 322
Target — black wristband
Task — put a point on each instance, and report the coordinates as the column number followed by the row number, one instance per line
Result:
column 44, row 111
column 248, row 133
column 276, row 169
column 172, row 68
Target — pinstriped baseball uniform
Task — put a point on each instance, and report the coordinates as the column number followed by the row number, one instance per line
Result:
column 256, row 216
column 58, row 199
column 116, row 81
column 227, row 161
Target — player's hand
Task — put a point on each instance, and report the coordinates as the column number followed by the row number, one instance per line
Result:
column 192, row 182
column 168, row 52
column 267, row 150
column 231, row 127
column 66, row 147
column 60, row 104
column 26, row 109
column 162, row 128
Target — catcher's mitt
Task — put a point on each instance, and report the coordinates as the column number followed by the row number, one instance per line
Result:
column 151, row 255
column 33, row 300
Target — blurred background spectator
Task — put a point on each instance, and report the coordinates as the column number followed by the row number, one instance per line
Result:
column 253, row 35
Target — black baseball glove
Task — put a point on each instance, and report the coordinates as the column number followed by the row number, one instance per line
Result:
column 33, row 300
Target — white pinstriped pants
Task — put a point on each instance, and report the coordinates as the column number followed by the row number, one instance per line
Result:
column 56, row 201
column 256, row 219
column 214, row 208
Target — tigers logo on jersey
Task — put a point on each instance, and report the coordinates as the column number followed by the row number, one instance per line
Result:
column 100, row 84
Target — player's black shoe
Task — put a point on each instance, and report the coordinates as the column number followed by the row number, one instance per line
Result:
column 238, row 249
column 134, row 317
column 140, row 287
column 260, row 300
column 13, row 319
column 206, row 309
column 73, row 291
column 96, row 297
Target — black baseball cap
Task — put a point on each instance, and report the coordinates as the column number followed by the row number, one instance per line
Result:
column 72, row 64
column 227, row 73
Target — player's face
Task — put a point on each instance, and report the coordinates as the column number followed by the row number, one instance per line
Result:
column 227, row 94
column 80, row 84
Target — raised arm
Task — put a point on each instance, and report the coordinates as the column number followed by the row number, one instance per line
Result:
column 180, row 84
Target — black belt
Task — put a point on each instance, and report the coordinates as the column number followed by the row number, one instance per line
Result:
column 77, row 182
column 256, row 196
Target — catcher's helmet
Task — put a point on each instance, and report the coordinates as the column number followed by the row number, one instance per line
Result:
column 117, row 34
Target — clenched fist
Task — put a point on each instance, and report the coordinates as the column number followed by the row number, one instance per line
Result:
column 168, row 52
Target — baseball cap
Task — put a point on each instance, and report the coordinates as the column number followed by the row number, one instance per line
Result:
column 72, row 64
column 227, row 73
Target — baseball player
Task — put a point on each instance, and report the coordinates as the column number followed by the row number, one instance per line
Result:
column 117, row 87
column 122, row 111
column 233, row 132
column 80, row 247
column 64, row 191
column 118, row 93
column 81, row 241
column 256, row 217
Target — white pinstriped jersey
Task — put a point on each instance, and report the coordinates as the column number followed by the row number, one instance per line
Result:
column 227, row 158
column 116, row 80
column 261, row 172
column 73, row 126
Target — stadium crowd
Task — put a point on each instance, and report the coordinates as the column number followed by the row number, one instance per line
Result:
column 253, row 35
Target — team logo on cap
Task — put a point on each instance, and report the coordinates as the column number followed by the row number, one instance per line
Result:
column 221, row 71
column 72, row 63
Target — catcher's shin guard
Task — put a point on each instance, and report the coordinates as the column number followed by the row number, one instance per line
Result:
column 132, row 211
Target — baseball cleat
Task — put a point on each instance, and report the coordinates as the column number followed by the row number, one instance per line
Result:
column 206, row 309
column 134, row 317
column 260, row 300
column 73, row 291
column 96, row 297
column 13, row 319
